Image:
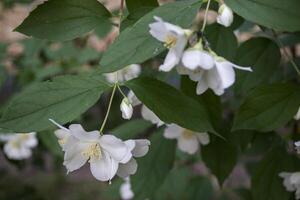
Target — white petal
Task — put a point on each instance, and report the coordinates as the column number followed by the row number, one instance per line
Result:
column 171, row 60
column 112, row 77
column 31, row 140
column 132, row 71
column 126, row 109
column 78, row 132
column 297, row 116
column 196, row 58
column 141, row 148
column 133, row 99
column 105, row 168
column 147, row 114
column 158, row 29
column 197, row 75
column 127, row 169
column 201, row 87
column 61, row 133
column 16, row 153
column 226, row 73
column 130, row 146
column 190, row 145
column 116, row 148
column 7, row 137
column 74, row 158
column 126, row 191
column 173, row 131
column 203, row 138
column 286, row 181
column 225, row 16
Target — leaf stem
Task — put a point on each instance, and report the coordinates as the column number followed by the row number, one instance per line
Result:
column 108, row 109
column 286, row 54
column 205, row 16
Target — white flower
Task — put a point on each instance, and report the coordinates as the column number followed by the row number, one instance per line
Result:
column 297, row 116
column 18, row 146
column 138, row 148
column 147, row 114
column 188, row 141
column 125, row 74
column 126, row 108
column 125, row 190
column 217, row 75
column 297, row 146
column 291, row 182
column 104, row 153
column 175, row 39
column 225, row 16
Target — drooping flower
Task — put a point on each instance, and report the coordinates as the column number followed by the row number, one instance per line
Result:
column 225, row 15
column 297, row 116
column 187, row 140
column 291, row 182
column 125, row 190
column 147, row 114
column 174, row 38
column 126, row 109
column 125, row 74
column 138, row 148
column 19, row 146
column 297, row 146
column 217, row 77
column 104, row 153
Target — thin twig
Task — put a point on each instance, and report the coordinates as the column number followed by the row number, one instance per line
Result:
column 205, row 16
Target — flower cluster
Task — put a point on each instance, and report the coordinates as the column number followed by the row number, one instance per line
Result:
column 19, row 146
column 200, row 63
column 125, row 74
column 107, row 154
column 291, row 182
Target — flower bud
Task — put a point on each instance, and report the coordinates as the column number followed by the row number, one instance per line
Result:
column 126, row 109
column 225, row 16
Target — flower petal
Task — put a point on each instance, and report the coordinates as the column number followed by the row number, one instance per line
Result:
column 201, row 87
column 130, row 146
column 196, row 58
column 226, row 73
column 105, row 168
column 147, row 114
column 158, row 29
column 116, row 148
column 78, row 132
column 190, row 145
column 141, row 148
column 173, row 131
column 127, row 169
column 74, row 158
column 203, row 138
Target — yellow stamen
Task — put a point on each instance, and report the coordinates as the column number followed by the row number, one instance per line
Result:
column 187, row 134
column 170, row 42
column 93, row 152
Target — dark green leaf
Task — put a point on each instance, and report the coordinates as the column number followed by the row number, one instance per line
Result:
column 133, row 5
column 136, row 45
column 51, row 143
column 222, row 40
column 266, row 183
column 131, row 129
column 170, row 105
column 64, row 19
column 63, row 99
column 200, row 188
column 154, row 167
column 268, row 107
column 263, row 56
column 220, row 156
column 270, row 13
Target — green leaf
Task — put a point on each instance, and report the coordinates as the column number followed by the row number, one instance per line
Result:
column 63, row 99
column 266, row 183
column 133, row 5
column 263, row 56
column 154, row 167
column 200, row 188
column 270, row 13
column 268, row 107
column 220, row 156
column 131, row 129
column 136, row 45
column 170, row 105
column 51, row 142
column 222, row 40
column 64, row 19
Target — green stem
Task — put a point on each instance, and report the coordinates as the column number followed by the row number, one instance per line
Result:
column 290, row 59
column 121, row 91
column 108, row 109
column 205, row 16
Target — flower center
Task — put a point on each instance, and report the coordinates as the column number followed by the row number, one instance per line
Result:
column 93, row 152
column 170, row 41
column 17, row 142
column 187, row 134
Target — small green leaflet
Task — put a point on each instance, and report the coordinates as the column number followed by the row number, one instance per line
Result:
column 63, row 99
column 65, row 19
